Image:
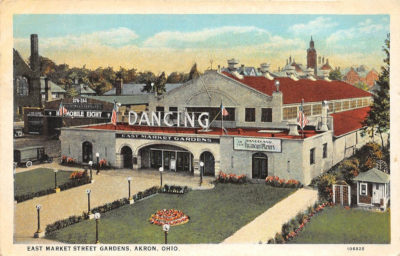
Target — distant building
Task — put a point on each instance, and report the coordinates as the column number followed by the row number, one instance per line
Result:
column 355, row 75
column 27, row 79
column 53, row 91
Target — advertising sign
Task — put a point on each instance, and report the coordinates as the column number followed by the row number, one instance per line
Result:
column 257, row 144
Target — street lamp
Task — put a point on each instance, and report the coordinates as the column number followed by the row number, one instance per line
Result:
column 129, row 190
column 201, row 172
column 166, row 229
column 97, row 218
column 161, row 169
column 277, row 83
column 98, row 160
column 38, row 233
column 55, row 181
column 90, row 165
column 88, row 191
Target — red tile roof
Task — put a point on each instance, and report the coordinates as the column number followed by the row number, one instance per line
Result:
column 252, row 132
column 310, row 91
column 347, row 121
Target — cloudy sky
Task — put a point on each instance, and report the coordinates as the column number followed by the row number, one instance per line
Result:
column 174, row 42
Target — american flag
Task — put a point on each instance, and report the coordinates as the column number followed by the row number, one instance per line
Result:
column 62, row 110
column 301, row 118
column 114, row 114
column 223, row 110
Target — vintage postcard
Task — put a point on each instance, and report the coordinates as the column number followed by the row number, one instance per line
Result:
column 175, row 128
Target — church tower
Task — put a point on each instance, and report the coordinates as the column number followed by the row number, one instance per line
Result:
column 312, row 57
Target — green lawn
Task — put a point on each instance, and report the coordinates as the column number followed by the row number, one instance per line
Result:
column 214, row 215
column 340, row 226
column 38, row 179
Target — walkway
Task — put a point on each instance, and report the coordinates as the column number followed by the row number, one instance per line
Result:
column 270, row 222
column 107, row 187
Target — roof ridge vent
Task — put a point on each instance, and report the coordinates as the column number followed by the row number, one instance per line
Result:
column 293, row 77
column 310, row 77
column 237, row 75
column 268, row 76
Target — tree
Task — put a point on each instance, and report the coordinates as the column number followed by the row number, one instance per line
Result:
column 159, row 85
column 175, row 77
column 194, row 73
column 362, row 86
column 335, row 74
column 72, row 92
column 379, row 115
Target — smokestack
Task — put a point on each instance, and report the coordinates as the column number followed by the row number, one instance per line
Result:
column 46, row 88
column 34, row 61
column 118, row 87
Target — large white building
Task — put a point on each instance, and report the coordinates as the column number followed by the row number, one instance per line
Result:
column 261, row 139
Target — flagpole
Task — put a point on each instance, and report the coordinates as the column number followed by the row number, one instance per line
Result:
column 222, row 123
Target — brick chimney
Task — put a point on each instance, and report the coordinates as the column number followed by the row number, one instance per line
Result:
column 118, row 86
column 34, row 60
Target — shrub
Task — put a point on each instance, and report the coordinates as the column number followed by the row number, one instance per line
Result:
column 231, row 178
column 175, row 189
column 275, row 181
column 271, row 241
column 300, row 217
column 325, row 186
column 349, row 169
column 78, row 175
column 279, row 238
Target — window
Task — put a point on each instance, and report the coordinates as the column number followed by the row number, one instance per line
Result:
column 312, row 156
column 325, row 150
column 346, row 104
column 363, row 189
column 250, row 114
column 22, row 86
column 353, row 104
column 377, row 186
column 331, row 107
column 316, row 109
column 364, row 102
column 307, row 110
column 338, row 106
column 289, row 113
column 266, row 115
column 175, row 112
column 160, row 109
column 359, row 103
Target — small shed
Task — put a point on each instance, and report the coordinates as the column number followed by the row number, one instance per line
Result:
column 341, row 193
column 373, row 188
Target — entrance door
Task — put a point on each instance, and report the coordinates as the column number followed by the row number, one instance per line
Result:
column 377, row 193
column 87, row 152
column 183, row 162
column 209, row 163
column 260, row 166
column 156, row 159
column 126, row 153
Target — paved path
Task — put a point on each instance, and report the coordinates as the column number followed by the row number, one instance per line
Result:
column 270, row 222
column 108, row 186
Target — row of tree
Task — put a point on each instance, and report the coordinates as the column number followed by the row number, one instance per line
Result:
column 103, row 79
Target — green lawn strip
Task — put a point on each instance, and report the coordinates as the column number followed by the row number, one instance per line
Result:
column 37, row 180
column 214, row 215
column 340, row 226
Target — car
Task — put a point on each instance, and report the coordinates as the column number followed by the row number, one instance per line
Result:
column 27, row 155
column 18, row 132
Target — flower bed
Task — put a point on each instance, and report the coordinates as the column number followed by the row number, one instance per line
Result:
column 275, row 181
column 293, row 227
column 172, row 217
column 173, row 189
column 231, row 178
column 78, row 175
column 100, row 209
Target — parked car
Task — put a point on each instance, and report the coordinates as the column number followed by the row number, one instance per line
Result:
column 18, row 133
column 27, row 155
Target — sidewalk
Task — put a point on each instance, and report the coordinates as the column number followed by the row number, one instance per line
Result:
column 108, row 186
column 270, row 222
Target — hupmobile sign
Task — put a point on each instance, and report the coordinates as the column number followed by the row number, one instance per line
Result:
column 257, row 144
column 184, row 119
column 167, row 138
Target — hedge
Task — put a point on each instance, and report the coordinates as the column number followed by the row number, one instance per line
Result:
column 100, row 209
column 173, row 189
column 65, row 186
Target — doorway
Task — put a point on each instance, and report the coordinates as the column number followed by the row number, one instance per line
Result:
column 259, row 166
column 209, row 163
column 126, row 153
column 87, row 152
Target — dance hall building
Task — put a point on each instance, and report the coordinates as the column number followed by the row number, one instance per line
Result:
column 259, row 134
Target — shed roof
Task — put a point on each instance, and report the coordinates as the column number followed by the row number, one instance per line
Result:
column 373, row 175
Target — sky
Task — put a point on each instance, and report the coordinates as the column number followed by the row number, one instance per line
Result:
column 158, row 42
